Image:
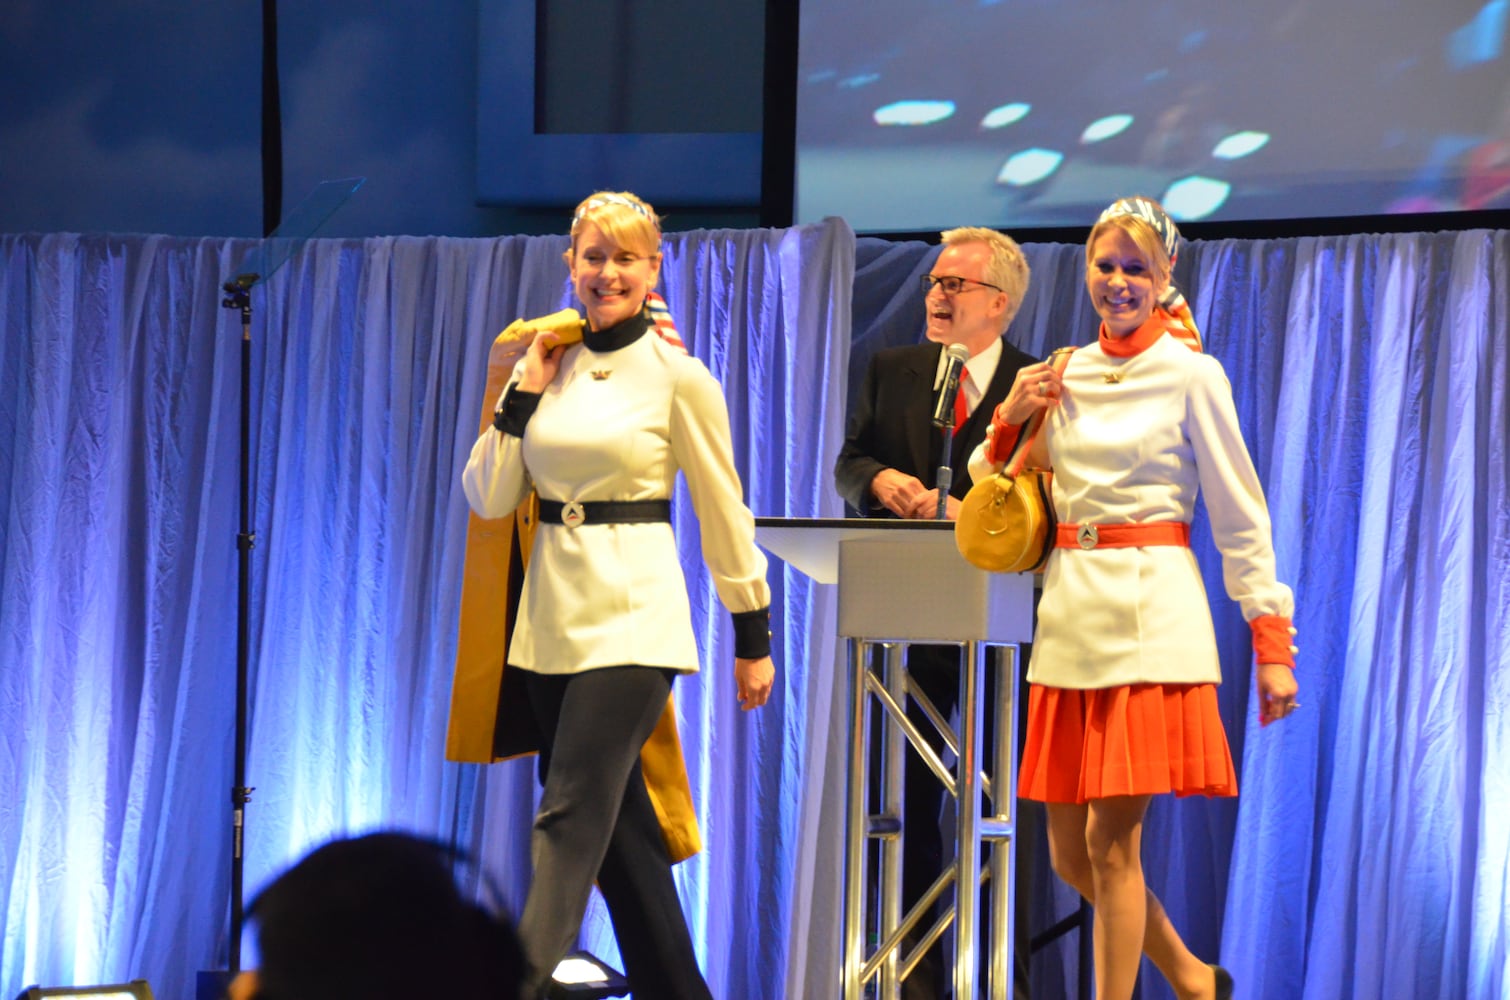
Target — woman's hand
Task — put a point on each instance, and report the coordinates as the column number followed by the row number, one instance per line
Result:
column 505, row 354
column 541, row 362
column 1276, row 692
column 753, row 680
column 1035, row 388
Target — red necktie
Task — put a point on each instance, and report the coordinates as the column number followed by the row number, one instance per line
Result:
column 961, row 407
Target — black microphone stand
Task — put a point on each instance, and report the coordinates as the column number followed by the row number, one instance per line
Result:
column 945, row 478
column 268, row 257
column 239, row 296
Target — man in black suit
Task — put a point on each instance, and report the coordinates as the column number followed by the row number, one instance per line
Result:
column 891, row 450
column 888, row 468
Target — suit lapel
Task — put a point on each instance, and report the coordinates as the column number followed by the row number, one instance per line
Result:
column 922, row 437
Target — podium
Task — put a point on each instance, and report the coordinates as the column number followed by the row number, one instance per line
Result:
column 902, row 582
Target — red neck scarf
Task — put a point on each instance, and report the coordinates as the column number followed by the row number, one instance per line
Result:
column 1141, row 339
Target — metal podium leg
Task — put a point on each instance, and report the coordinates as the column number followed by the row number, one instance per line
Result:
column 893, row 751
column 967, row 822
column 854, row 847
column 1004, row 808
column 969, row 785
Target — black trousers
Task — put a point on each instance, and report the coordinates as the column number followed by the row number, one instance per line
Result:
column 596, row 822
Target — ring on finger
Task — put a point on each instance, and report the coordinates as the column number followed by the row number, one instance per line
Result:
column 1043, row 388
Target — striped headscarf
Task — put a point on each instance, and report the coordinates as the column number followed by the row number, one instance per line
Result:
column 602, row 199
column 660, row 316
column 1172, row 303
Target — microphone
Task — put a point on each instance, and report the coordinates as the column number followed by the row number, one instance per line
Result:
column 943, row 407
column 943, row 416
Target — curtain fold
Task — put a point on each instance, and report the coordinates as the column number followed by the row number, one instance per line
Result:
column 1368, row 855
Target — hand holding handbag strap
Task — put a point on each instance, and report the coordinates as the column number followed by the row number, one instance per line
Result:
column 1058, row 360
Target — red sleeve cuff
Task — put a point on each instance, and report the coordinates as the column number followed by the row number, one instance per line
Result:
column 1273, row 640
column 1003, row 439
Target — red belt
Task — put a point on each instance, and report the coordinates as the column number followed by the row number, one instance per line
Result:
column 1122, row 536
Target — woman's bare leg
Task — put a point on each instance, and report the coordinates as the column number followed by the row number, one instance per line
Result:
column 1114, row 841
column 1069, row 829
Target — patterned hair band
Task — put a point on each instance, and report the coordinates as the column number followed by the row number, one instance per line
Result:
column 602, row 200
column 1181, row 321
column 1150, row 212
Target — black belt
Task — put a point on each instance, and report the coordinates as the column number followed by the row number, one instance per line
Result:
column 572, row 513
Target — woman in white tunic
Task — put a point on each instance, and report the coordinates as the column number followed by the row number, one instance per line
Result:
column 600, row 429
column 1122, row 704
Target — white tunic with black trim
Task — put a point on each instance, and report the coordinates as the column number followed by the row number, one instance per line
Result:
column 618, row 425
column 1137, row 447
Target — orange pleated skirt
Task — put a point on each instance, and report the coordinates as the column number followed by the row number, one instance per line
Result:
column 1143, row 739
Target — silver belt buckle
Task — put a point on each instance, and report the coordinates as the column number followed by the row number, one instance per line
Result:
column 1088, row 536
column 572, row 514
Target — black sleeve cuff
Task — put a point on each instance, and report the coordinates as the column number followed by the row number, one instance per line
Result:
column 752, row 634
column 515, row 411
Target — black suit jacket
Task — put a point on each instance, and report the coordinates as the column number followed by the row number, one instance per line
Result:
column 891, row 425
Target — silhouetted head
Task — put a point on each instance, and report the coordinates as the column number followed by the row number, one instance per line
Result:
column 379, row 917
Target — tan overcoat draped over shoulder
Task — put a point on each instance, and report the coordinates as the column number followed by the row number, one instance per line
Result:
column 490, row 716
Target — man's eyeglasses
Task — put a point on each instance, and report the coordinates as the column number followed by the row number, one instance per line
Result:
column 951, row 284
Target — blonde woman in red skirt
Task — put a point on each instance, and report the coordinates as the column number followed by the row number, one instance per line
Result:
column 1122, row 704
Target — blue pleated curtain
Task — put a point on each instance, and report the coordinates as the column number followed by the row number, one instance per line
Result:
column 1369, row 853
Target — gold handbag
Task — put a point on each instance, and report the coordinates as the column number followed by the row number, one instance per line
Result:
column 1006, row 522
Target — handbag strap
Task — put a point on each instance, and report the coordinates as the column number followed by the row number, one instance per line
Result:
column 1058, row 360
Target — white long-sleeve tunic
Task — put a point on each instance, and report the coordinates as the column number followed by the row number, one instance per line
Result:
column 619, row 425
column 1137, row 447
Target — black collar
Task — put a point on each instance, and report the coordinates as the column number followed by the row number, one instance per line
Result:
column 618, row 336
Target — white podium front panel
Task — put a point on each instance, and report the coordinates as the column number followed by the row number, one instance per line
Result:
column 915, row 587
column 903, row 580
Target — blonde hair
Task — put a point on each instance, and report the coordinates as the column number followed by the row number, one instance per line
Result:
column 623, row 217
column 1143, row 234
column 1007, row 269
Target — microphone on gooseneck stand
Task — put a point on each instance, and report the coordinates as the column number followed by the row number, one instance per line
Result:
column 943, row 407
column 943, row 416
